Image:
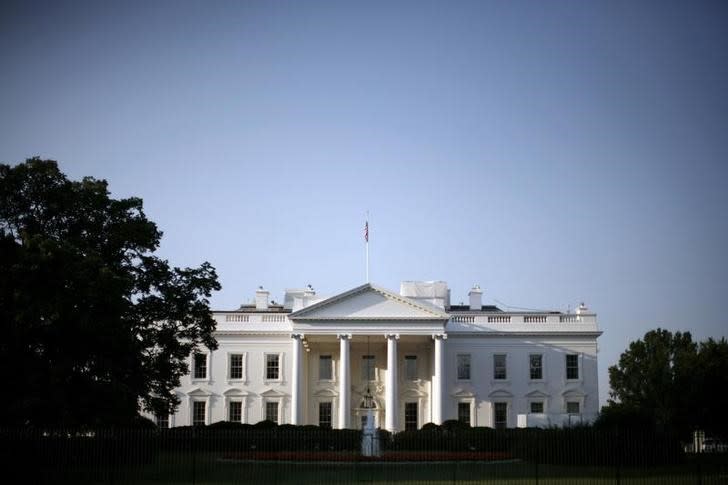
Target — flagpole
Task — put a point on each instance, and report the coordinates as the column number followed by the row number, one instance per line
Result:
column 367, row 262
column 367, row 244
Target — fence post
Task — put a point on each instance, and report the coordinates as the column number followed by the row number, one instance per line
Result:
column 194, row 455
column 700, row 474
column 618, row 450
column 110, row 449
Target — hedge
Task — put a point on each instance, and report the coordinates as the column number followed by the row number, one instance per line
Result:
column 582, row 445
column 577, row 445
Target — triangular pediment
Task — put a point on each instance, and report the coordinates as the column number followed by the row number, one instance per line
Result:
column 199, row 392
column 369, row 302
column 537, row 394
column 272, row 393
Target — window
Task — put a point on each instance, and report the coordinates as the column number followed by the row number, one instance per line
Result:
column 572, row 366
column 272, row 366
column 325, row 368
column 536, row 407
column 162, row 421
column 500, row 420
column 410, row 367
column 536, row 366
column 236, row 366
column 199, row 366
column 499, row 366
column 572, row 407
column 410, row 416
column 464, row 412
column 367, row 367
column 464, row 367
column 199, row 413
column 235, row 411
column 325, row 414
column 271, row 411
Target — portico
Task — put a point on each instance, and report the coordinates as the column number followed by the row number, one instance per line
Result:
column 362, row 329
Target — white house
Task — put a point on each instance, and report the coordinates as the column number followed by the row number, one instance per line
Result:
column 314, row 360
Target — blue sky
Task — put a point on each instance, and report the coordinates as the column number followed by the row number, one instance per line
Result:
column 553, row 152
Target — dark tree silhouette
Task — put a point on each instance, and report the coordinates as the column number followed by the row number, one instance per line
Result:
column 667, row 381
column 95, row 327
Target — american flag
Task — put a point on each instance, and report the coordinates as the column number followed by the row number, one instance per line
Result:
column 366, row 231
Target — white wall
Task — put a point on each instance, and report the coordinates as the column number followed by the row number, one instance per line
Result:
column 254, row 387
column 483, row 389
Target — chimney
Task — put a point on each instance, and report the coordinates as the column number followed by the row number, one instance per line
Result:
column 476, row 298
column 261, row 299
column 309, row 291
column 582, row 309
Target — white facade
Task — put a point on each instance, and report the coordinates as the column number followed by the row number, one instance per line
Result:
column 311, row 360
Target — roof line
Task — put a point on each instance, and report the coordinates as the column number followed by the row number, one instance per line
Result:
column 359, row 289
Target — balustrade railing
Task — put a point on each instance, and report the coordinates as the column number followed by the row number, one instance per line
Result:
column 517, row 319
column 237, row 318
column 473, row 319
column 569, row 318
column 253, row 318
column 464, row 318
column 273, row 318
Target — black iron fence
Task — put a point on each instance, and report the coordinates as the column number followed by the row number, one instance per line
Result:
column 272, row 454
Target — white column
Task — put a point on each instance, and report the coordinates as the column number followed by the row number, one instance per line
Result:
column 344, row 386
column 296, row 413
column 391, row 412
column 437, row 378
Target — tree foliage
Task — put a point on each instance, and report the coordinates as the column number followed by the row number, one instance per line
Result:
column 94, row 325
column 667, row 381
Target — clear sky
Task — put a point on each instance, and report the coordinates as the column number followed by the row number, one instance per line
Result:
column 553, row 152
